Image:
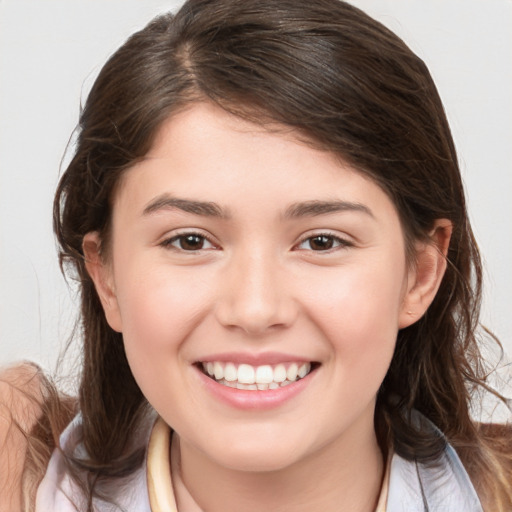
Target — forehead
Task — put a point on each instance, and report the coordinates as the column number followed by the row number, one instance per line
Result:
column 204, row 153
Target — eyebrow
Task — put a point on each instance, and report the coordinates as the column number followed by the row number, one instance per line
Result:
column 167, row 202
column 210, row 209
column 314, row 208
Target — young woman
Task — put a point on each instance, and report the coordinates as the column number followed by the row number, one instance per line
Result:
column 280, row 287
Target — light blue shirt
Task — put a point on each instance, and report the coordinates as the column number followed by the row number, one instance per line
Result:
column 413, row 486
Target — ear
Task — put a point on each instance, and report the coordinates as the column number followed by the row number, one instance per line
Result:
column 100, row 272
column 426, row 273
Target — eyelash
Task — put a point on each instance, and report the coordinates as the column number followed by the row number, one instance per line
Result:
column 341, row 242
column 168, row 243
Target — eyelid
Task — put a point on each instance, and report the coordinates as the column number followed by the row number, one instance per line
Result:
column 169, row 238
column 344, row 242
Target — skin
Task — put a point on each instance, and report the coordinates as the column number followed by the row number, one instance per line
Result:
column 262, row 285
column 20, row 398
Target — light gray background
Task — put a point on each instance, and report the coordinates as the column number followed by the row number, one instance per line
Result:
column 50, row 52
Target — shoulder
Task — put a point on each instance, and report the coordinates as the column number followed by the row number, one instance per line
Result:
column 20, row 399
column 20, row 408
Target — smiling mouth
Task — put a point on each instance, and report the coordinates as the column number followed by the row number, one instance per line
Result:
column 256, row 378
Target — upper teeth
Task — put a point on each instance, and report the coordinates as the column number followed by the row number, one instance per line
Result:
column 263, row 377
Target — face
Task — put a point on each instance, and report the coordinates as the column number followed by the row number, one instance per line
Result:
column 259, row 285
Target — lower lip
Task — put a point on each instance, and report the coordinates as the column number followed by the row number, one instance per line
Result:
column 254, row 399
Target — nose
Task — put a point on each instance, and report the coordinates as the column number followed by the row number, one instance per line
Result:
column 255, row 295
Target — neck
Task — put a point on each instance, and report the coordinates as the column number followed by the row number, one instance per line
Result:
column 344, row 475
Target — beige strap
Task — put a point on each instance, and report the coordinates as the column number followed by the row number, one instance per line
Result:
column 383, row 497
column 161, row 495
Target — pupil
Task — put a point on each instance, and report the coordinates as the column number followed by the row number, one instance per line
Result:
column 192, row 242
column 321, row 243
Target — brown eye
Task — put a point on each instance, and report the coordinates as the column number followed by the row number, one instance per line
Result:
column 188, row 242
column 321, row 243
column 191, row 242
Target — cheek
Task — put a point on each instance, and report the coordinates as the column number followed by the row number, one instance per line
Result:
column 358, row 311
column 158, row 309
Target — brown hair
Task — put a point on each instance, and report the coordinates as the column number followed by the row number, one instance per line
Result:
column 349, row 86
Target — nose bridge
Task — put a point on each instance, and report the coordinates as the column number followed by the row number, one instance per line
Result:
column 255, row 294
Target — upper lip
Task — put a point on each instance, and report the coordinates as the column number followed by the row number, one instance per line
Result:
column 255, row 359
